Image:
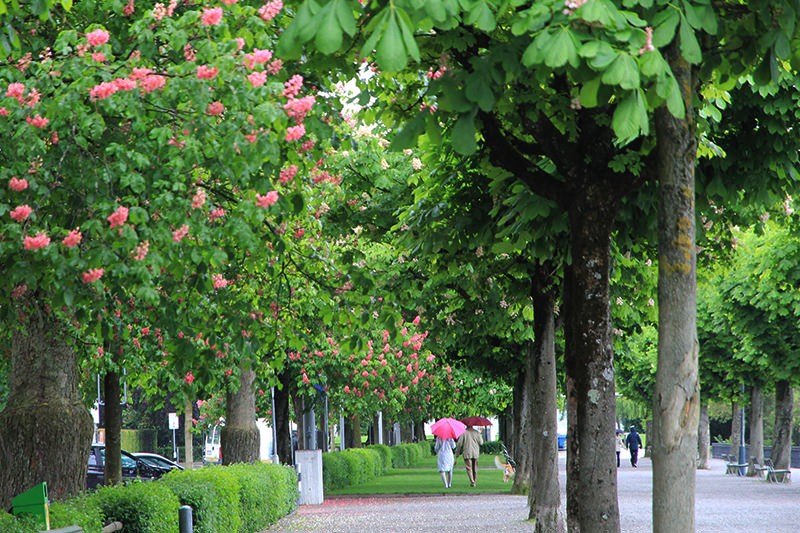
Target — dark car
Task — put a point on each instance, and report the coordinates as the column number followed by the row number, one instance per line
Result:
column 132, row 467
column 158, row 460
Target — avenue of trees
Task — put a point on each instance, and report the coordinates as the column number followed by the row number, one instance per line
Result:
column 518, row 196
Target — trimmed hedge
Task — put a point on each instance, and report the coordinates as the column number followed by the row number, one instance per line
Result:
column 494, row 447
column 12, row 524
column 82, row 511
column 213, row 494
column 268, row 492
column 359, row 465
column 142, row 506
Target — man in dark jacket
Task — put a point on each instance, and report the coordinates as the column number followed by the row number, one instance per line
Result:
column 634, row 442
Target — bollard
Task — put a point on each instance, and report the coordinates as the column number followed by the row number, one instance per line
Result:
column 185, row 519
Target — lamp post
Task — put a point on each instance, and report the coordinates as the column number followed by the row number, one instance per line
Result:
column 742, row 449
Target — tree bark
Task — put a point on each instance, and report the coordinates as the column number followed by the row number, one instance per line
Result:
column 757, row 425
column 736, row 429
column 352, row 431
column 113, row 424
column 703, row 438
column 522, row 446
column 45, row 430
column 405, row 433
column 591, row 404
column 782, row 442
column 544, row 498
column 188, row 424
column 676, row 404
column 419, row 430
column 282, row 427
column 240, row 437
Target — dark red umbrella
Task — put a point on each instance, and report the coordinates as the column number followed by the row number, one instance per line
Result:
column 476, row 421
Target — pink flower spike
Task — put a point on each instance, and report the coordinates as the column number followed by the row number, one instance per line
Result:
column 38, row 121
column 204, row 72
column 269, row 199
column 215, row 108
column 97, row 37
column 73, row 239
column 179, row 234
column 15, row 90
column 211, row 16
column 118, row 217
column 21, row 212
column 294, row 133
column 16, row 184
column 92, row 275
column 189, row 378
column 35, row 243
column 270, row 10
column 257, row 79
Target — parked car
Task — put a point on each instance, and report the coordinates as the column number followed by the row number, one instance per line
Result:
column 562, row 441
column 158, row 461
column 132, row 467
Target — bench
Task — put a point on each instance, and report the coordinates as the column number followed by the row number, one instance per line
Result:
column 732, row 466
column 777, row 475
column 760, row 470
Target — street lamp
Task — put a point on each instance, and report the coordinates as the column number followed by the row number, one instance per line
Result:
column 742, row 449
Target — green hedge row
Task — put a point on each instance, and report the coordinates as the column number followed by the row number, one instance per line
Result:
column 359, row 465
column 238, row 498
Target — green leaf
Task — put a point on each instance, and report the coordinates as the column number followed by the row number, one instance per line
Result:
column 480, row 92
column 624, row 71
column 408, row 35
column 588, row 93
column 626, row 121
column 346, row 19
column 391, row 54
column 463, row 138
column 690, row 48
column 674, row 99
column 783, row 49
column 562, row 50
column 652, row 64
column 481, row 17
column 328, row 38
column 664, row 25
column 535, row 52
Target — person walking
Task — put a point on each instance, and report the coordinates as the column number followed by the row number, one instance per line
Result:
column 620, row 442
column 469, row 447
column 445, row 460
column 633, row 441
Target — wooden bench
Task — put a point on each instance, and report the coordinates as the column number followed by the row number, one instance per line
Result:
column 777, row 475
column 732, row 466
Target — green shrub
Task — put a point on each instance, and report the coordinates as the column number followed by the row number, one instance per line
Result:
column 82, row 511
column 141, row 506
column 385, row 454
column 494, row 447
column 334, row 471
column 268, row 492
column 212, row 493
column 12, row 524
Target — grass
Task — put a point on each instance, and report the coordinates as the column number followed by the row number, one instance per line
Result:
column 424, row 478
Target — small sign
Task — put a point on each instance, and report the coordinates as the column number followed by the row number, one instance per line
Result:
column 173, row 421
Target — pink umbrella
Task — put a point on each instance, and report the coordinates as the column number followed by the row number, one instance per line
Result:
column 448, row 428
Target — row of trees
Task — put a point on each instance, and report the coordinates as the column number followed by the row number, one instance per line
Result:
column 548, row 134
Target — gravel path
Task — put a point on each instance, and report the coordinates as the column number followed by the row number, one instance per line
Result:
column 724, row 504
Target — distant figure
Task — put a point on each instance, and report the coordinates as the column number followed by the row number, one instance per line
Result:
column 620, row 442
column 444, row 450
column 634, row 442
column 469, row 446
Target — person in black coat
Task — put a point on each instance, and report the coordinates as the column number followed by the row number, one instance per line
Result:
column 633, row 441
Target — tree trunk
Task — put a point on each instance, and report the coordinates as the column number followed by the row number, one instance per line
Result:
column 419, row 430
column 240, row 437
column 45, row 430
column 757, row 425
column 522, row 448
column 591, row 403
column 544, row 498
column 782, row 442
column 736, row 429
column 188, row 424
column 352, row 431
column 676, row 405
column 703, row 438
column 282, row 427
column 405, row 432
column 113, row 424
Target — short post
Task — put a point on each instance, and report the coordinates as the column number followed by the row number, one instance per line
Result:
column 185, row 524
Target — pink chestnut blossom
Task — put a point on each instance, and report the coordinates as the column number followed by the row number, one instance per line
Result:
column 73, row 239
column 118, row 217
column 215, row 108
column 92, row 275
column 294, row 133
column 180, row 233
column 270, row 10
column 16, row 184
column 21, row 212
column 38, row 121
column 204, row 72
column 211, row 16
column 97, row 37
column 267, row 200
column 189, row 378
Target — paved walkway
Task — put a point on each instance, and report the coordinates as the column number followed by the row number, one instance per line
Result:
column 723, row 504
